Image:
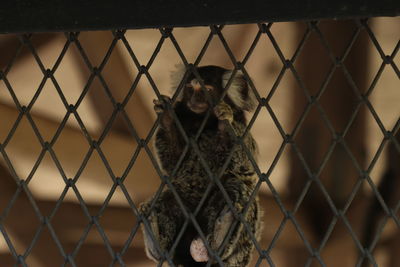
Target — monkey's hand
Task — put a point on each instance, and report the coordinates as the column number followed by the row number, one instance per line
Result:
column 224, row 114
column 160, row 107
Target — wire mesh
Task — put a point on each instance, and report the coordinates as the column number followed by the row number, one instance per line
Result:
column 263, row 251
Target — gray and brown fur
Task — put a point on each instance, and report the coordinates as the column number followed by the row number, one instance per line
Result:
column 215, row 143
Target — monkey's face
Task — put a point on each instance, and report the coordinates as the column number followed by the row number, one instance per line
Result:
column 198, row 98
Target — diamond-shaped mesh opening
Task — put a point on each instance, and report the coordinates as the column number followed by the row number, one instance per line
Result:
column 100, row 168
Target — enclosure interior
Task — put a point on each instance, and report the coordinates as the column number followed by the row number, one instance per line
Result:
column 77, row 129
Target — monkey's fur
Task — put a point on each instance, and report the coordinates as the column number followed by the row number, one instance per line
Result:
column 215, row 143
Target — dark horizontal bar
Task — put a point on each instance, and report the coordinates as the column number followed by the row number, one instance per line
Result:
column 73, row 15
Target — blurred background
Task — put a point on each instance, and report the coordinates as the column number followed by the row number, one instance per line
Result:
column 288, row 166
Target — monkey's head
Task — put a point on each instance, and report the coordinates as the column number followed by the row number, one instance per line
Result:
column 199, row 99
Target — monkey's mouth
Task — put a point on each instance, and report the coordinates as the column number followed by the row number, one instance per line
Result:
column 198, row 107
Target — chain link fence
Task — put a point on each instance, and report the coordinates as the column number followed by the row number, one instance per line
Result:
column 76, row 164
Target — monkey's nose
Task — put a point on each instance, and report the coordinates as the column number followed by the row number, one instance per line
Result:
column 196, row 85
column 197, row 88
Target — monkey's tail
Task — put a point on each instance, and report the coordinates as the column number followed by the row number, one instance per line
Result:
column 375, row 213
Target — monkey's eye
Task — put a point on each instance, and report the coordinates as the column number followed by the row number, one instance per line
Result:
column 209, row 87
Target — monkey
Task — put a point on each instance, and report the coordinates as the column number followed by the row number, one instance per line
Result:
column 216, row 142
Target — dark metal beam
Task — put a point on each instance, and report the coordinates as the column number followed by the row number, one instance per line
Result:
column 69, row 15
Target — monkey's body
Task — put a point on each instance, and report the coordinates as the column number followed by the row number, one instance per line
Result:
column 191, row 180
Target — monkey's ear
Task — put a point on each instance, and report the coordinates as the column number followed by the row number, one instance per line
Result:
column 176, row 78
column 239, row 90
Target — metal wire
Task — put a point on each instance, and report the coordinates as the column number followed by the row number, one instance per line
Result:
column 288, row 65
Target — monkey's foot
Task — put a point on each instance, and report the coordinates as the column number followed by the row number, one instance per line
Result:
column 222, row 225
column 198, row 250
column 223, row 112
column 150, row 245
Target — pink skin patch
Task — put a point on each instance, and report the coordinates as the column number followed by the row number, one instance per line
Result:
column 198, row 251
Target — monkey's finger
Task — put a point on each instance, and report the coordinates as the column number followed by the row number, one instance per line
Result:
column 158, row 109
column 158, row 106
column 157, row 102
column 166, row 98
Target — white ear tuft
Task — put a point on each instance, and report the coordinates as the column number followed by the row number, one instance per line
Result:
column 239, row 90
column 176, row 78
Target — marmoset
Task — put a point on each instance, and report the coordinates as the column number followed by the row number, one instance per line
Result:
column 225, row 119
